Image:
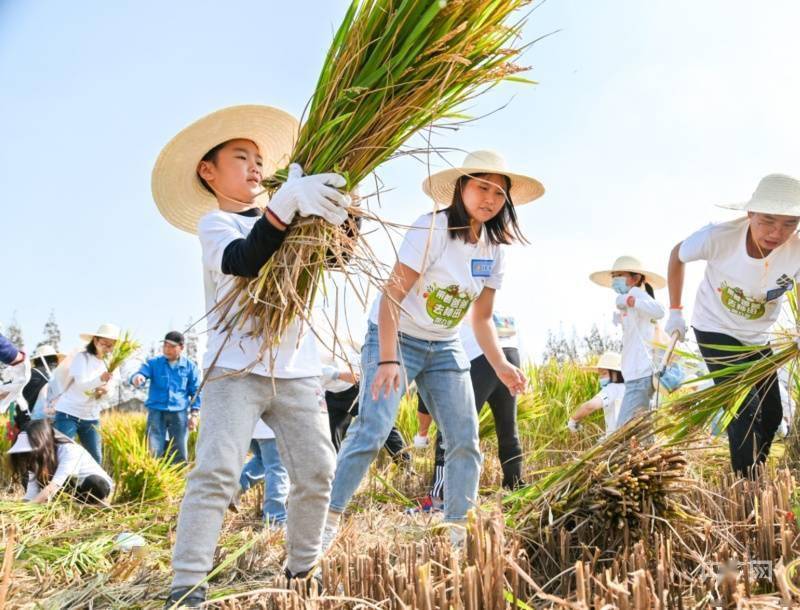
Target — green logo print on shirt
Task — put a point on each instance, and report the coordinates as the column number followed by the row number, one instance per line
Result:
column 739, row 303
column 447, row 306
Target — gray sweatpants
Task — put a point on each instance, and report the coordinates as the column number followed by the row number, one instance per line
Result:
column 295, row 410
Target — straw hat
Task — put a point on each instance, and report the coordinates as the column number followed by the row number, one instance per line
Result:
column 22, row 444
column 441, row 185
column 631, row 265
column 775, row 194
column 43, row 351
column 106, row 331
column 611, row 361
column 177, row 190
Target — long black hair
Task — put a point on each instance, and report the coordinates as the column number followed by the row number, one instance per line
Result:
column 42, row 459
column 502, row 229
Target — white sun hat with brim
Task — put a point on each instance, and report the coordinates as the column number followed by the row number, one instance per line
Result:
column 628, row 264
column 609, row 361
column 45, row 351
column 441, row 185
column 180, row 196
column 775, row 194
column 22, row 444
column 106, row 331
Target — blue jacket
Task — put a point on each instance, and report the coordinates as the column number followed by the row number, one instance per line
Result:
column 171, row 388
column 8, row 352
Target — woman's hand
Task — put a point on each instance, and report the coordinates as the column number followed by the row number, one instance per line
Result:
column 101, row 391
column 387, row 379
column 105, row 376
column 349, row 377
column 630, row 301
column 512, row 377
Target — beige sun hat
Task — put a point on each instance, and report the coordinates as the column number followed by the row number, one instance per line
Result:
column 177, row 190
column 775, row 194
column 106, row 331
column 611, row 361
column 631, row 265
column 43, row 351
column 441, row 185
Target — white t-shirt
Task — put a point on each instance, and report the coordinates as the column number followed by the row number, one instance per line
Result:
column 84, row 374
column 73, row 461
column 507, row 335
column 739, row 295
column 296, row 355
column 262, row 431
column 638, row 334
column 452, row 275
column 611, row 397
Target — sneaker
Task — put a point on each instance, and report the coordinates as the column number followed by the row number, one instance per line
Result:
column 310, row 579
column 328, row 536
column 420, row 442
column 425, row 505
column 458, row 536
column 181, row 597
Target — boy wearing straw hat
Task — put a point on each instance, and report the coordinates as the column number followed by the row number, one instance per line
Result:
column 751, row 263
column 207, row 180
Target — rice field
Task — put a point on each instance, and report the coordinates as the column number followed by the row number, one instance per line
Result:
column 620, row 525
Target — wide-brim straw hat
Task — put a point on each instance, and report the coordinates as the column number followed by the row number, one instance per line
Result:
column 609, row 361
column 106, row 331
column 22, row 444
column 180, row 196
column 630, row 264
column 775, row 194
column 441, row 185
column 45, row 351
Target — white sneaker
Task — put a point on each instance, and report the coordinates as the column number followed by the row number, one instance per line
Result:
column 328, row 536
column 458, row 536
column 420, row 442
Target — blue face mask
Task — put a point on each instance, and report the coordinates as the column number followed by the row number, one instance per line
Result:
column 604, row 381
column 620, row 285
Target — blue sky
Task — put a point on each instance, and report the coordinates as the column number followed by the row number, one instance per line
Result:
column 646, row 114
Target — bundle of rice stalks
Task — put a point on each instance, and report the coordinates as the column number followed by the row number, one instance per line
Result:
column 138, row 476
column 612, row 492
column 394, row 68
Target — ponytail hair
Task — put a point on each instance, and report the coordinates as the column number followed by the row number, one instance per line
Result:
column 647, row 287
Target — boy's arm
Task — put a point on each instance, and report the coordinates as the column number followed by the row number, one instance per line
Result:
column 245, row 256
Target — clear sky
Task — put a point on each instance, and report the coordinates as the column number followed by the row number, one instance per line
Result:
column 646, row 115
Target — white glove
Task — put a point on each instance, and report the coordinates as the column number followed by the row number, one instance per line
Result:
column 315, row 195
column 676, row 324
column 572, row 425
column 622, row 302
column 138, row 380
column 616, row 319
column 420, row 442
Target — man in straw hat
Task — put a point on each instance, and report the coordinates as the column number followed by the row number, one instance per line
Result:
column 207, row 180
column 751, row 263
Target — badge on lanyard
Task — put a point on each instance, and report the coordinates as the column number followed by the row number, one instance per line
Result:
column 482, row 267
column 785, row 284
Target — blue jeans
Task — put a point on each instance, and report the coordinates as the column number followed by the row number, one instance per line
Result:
column 87, row 431
column 266, row 464
column 441, row 370
column 638, row 393
column 159, row 423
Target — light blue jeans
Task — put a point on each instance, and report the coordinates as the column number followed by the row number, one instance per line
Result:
column 638, row 393
column 159, row 423
column 266, row 465
column 441, row 370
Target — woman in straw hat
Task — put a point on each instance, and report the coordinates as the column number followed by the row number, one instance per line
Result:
column 45, row 461
column 207, row 180
column 610, row 396
column 78, row 407
column 751, row 263
column 44, row 361
column 450, row 261
column 637, row 313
